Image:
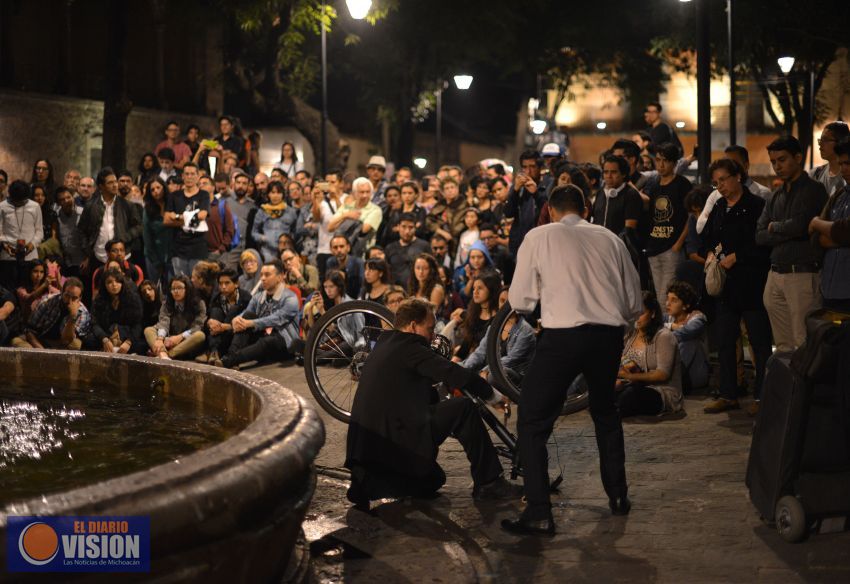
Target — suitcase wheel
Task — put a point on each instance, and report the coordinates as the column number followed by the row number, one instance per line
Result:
column 790, row 519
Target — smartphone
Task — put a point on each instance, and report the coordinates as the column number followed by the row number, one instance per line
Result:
column 325, row 187
column 425, row 182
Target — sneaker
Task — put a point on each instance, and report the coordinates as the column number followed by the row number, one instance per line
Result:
column 202, row 358
column 753, row 408
column 720, row 405
column 497, row 489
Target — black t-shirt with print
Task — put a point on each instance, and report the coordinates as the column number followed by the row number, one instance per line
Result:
column 188, row 245
column 667, row 214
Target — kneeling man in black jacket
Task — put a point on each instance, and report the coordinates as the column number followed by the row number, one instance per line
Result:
column 398, row 423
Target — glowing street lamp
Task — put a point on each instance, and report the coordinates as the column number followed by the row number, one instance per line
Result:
column 785, row 64
column 463, row 82
column 420, row 163
column 680, row 125
column 538, row 126
column 358, row 8
column 601, row 125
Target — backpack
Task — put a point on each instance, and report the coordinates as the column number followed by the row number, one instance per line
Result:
column 236, row 238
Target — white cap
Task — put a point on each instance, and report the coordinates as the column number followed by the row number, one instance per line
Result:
column 377, row 161
column 551, row 149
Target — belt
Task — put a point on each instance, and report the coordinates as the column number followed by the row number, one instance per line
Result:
column 809, row 268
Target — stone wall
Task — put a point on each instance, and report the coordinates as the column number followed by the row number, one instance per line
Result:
column 69, row 132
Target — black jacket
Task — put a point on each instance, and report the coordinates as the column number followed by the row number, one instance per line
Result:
column 128, row 223
column 390, row 448
column 128, row 314
column 223, row 312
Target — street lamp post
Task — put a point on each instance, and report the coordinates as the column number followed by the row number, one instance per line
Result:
column 733, row 100
column 785, row 65
column 703, row 90
column 358, row 9
column 462, row 82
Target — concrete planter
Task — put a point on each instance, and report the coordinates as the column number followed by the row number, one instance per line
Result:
column 229, row 513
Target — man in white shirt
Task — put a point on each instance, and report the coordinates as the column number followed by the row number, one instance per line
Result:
column 589, row 291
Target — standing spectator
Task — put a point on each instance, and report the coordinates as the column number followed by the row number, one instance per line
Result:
column 409, row 204
column 268, row 328
column 165, row 158
column 136, row 245
column 794, row 278
column 440, row 250
column 229, row 302
column 692, row 270
column 502, row 258
column 107, row 217
column 193, row 138
column 49, row 245
column 619, row 206
column 9, row 316
column 157, row 236
column 650, row 370
column 70, row 238
column 117, row 316
column 832, row 233
column 148, row 169
column 376, row 168
column 182, row 152
column 327, row 200
column 272, row 220
column 229, row 139
column 388, row 231
column 221, row 225
column 20, row 233
column 732, row 225
column 42, row 173
column 401, row 254
column 829, row 174
column 358, row 208
column 525, row 199
column 470, row 236
column 41, row 285
column 660, row 132
column 446, row 217
column 289, row 163
column 342, row 261
column 668, row 219
column 631, row 153
column 186, row 210
column 60, row 322
column 179, row 332
column 86, row 191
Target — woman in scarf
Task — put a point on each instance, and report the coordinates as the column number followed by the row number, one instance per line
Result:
column 273, row 219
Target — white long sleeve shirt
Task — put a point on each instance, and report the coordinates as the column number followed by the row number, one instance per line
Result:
column 22, row 222
column 581, row 274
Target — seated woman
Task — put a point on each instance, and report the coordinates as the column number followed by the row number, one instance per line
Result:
column 179, row 332
column 349, row 327
column 205, row 280
column 273, row 219
column 518, row 342
column 467, row 328
column 650, row 377
column 377, row 278
column 41, row 285
column 151, row 303
column 688, row 325
column 477, row 261
column 424, row 280
column 250, row 262
column 393, row 297
column 117, row 316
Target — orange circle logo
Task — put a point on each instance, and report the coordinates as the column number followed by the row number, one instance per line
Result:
column 38, row 543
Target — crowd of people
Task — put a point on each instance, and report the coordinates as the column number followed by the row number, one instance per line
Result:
column 198, row 254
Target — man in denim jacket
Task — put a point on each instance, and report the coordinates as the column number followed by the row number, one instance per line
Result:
column 269, row 325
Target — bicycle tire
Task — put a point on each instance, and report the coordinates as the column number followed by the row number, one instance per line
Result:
column 337, row 403
column 574, row 403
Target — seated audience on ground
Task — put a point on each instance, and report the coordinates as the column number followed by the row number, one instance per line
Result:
column 468, row 327
column 268, row 328
column 250, row 262
column 478, row 261
column 394, row 296
column 343, row 261
column 424, row 281
column 179, row 332
column 41, row 285
column 689, row 327
column 151, row 303
column 116, row 251
column 376, row 280
column 9, row 316
column 60, row 322
column 117, row 316
column 228, row 302
column 298, row 275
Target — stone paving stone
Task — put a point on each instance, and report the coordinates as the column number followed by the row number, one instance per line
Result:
column 691, row 518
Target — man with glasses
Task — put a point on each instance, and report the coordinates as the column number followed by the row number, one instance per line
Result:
column 829, row 173
column 182, row 152
column 440, row 251
column 303, row 276
column 667, row 219
column 660, row 132
column 60, row 322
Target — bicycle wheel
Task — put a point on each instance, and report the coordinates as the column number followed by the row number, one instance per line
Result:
column 509, row 383
column 336, row 350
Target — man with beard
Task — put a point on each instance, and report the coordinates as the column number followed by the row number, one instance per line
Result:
column 69, row 236
column 136, row 246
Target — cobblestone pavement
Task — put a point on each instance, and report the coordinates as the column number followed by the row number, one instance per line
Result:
column 691, row 519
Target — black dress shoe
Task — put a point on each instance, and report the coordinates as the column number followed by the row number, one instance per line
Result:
column 619, row 505
column 524, row 527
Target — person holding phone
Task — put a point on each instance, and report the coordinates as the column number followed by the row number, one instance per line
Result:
column 525, row 199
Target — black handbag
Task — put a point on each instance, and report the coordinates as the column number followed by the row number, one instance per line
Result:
column 816, row 360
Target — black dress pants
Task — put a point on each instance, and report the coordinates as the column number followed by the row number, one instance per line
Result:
column 458, row 417
column 255, row 346
column 561, row 355
column 728, row 329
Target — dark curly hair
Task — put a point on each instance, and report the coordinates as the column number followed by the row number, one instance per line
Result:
column 650, row 303
column 684, row 292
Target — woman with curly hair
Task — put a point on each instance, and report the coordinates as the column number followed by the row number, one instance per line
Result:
column 117, row 315
column 424, row 281
column 688, row 326
column 179, row 332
